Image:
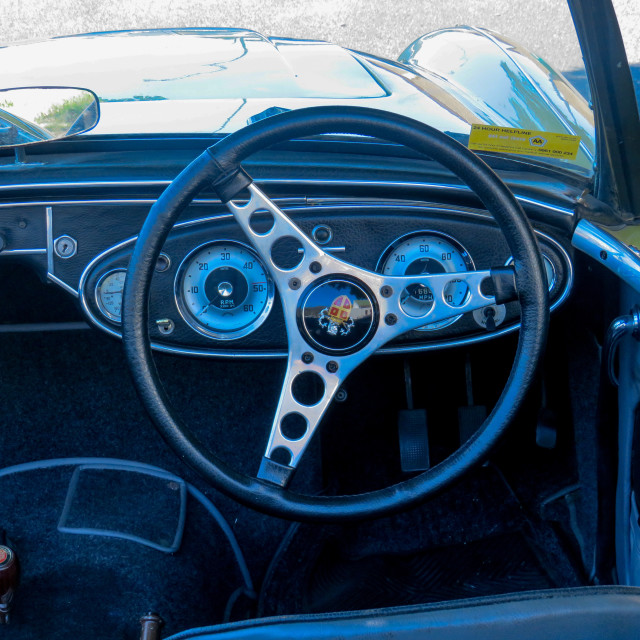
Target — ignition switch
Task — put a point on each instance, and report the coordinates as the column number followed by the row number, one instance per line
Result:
column 490, row 317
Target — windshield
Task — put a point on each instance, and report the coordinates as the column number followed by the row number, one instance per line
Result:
column 214, row 67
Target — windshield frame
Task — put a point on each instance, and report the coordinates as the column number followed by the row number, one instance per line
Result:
column 615, row 107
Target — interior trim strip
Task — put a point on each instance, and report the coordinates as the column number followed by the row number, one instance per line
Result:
column 22, row 252
column 37, row 327
column 455, row 188
column 608, row 251
column 139, row 201
column 49, row 215
column 46, row 203
column 395, row 349
column 64, row 285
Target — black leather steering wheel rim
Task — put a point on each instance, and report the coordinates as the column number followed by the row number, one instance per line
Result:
column 220, row 165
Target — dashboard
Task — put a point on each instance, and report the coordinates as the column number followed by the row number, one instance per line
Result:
column 211, row 294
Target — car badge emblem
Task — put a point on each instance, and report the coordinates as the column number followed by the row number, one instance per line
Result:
column 337, row 319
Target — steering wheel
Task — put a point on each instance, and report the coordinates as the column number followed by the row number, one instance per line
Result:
column 336, row 314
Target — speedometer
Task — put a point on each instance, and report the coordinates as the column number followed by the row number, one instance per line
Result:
column 428, row 252
column 223, row 290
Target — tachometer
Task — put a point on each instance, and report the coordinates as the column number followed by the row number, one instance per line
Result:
column 223, row 290
column 427, row 252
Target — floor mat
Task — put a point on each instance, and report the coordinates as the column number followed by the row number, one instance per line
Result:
column 474, row 540
column 68, row 394
column 99, row 587
column 336, row 582
column 102, row 498
column 503, row 564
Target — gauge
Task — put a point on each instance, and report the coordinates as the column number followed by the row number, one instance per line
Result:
column 427, row 252
column 549, row 270
column 109, row 294
column 223, row 290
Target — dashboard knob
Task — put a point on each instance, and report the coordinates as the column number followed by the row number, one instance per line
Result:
column 8, row 581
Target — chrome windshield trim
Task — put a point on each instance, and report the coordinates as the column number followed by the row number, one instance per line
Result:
column 608, row 251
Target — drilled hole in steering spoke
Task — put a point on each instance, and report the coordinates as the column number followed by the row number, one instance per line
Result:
column 261, row 222
column 307, row 388
column 416, row 300
column 281, row 455
column 293, row 426
column 287, row 253
column 456, row 293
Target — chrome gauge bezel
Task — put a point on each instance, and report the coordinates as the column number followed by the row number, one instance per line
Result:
column 187, row 316
column 466, row 256
column 99, row 303
column 551, row 284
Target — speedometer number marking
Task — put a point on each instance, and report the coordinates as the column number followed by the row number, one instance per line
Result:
column 426, row 253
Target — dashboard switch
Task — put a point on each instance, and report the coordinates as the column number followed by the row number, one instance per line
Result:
column 491, row 316
column 65, row 247
column 165, row 326
column 322, row 234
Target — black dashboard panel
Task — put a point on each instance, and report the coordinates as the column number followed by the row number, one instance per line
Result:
column 361, row 231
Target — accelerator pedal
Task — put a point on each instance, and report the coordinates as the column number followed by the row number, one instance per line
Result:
column 471, row 417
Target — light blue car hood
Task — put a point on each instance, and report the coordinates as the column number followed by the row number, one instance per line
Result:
column 205, row 81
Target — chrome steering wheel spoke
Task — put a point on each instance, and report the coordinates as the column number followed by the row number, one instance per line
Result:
column 318, row 376
column 336, row 316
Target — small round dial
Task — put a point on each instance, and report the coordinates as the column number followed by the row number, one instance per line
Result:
column 109, row 294
column 223, row 290
column 549, row 270
column 427, row 253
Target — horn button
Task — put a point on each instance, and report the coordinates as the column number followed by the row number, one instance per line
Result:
column 337, row 316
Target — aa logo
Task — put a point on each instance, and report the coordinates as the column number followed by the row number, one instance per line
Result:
column 537, row 141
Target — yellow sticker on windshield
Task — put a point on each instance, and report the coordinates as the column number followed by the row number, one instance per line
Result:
column 526, row 141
